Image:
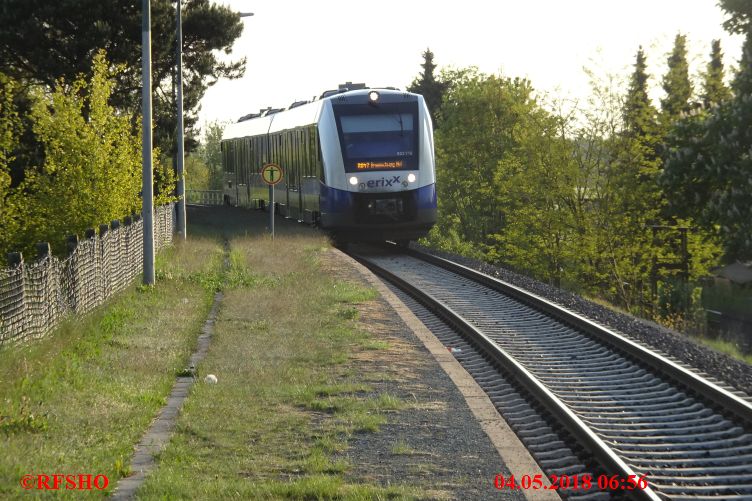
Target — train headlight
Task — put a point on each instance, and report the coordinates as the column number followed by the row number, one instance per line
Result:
column 373, row 96
column 353, row 180
column 411, row 177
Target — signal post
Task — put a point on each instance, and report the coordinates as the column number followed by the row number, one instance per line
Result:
column 272, row 174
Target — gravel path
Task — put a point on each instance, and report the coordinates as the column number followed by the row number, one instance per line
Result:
column 434, row 442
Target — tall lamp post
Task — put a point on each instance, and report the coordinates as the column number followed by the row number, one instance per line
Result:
column 181, row 140
column 181, row 219
column 147, row 188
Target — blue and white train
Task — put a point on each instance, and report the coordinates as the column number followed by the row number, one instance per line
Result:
column 359, row 163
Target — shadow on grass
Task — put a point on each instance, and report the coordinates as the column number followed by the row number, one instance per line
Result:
column 233, row 222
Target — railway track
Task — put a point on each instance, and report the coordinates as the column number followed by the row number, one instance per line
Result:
column 584, row 400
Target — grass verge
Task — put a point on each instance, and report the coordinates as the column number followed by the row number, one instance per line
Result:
column 287, row 399
column 77, row 401
column 726, row 347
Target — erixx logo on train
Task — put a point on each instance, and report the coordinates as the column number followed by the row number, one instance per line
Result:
column 382, row 183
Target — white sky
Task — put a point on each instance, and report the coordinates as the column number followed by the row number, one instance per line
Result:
column 298, row 49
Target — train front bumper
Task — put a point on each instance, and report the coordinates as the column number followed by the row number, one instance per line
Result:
column 400, row 215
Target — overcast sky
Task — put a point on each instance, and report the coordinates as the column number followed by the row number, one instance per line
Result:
column 298, row 49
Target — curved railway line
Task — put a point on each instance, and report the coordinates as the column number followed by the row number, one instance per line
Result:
column 582, row 398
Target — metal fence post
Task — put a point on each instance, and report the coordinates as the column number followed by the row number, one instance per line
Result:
column 13, row 301
column 49, row 288
column 92, row 275
column 116, row 256
column 104, row 261
column 72, row 272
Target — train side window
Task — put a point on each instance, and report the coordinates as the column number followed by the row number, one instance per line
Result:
column 230, row 157
column 246, row 160
column 259, row 160
column 293, row 160
column 309, row 163
column 298, row 156
column 291, row 156
column 303, row 134
column 299, row 153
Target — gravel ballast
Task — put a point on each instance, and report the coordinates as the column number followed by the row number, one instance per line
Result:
column 675, row 345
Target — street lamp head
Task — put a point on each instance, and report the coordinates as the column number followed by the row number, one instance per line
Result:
column 245, row 14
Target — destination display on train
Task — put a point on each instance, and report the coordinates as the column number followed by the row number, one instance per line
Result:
column 396, row 164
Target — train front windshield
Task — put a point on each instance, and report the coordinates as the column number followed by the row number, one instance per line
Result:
column 381, row 137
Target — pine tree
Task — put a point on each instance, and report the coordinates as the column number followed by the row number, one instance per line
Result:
column 632, row 195
column 714, row 90
column 676, row 83
column 732, row 204
column 709, row 170
column 639, row 113
column 742, row 84
column 429, row 87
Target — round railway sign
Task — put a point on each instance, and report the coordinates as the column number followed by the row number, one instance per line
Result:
column 272, row 174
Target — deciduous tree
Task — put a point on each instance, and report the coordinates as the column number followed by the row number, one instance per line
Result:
column 42, row 41
column 211, row 153
column 740, row 15
column 91, row 168
column 10, row 129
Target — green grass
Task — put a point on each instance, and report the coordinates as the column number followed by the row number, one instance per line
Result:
column 78, row 400
column 726, row 347
column 287, row 400
column 287, row 404
column 400, row 448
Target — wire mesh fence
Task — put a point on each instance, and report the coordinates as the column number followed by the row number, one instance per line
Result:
column 204, row 197
column 36, row 295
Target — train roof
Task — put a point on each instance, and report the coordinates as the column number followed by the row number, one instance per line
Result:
column 300, row 114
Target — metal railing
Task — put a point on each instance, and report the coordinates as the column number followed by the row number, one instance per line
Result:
column 204, row 197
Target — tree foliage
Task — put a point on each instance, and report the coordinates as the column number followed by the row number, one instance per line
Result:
column 676, row 83
column 479, row 118
column 10, row 125
column 211, row 153
column 709, row 166
column 196, row 173
column 429, row 87
column 43, row 41
column 714, row 89
column 740, row 15
column 91, row 168
column 568, row 201
column 639, row 113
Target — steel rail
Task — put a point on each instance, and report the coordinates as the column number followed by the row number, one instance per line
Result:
column 607, row 458
column 722, row 397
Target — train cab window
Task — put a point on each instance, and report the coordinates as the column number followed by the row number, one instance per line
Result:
column 383, row 138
